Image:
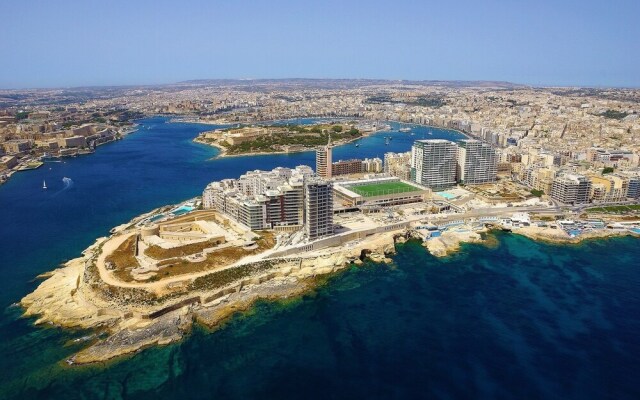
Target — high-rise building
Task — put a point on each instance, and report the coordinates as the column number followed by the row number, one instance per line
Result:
column 633, row 192
column 324, row 160
column 571, row 189
column 433, row 163
column 477, row 162
column 318, row 208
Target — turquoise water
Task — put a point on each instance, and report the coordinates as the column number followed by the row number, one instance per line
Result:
column 182, row 210
column 518, row 320
column 636, row 230
column 446, row 195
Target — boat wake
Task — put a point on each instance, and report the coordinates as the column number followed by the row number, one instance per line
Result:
column 68, row 184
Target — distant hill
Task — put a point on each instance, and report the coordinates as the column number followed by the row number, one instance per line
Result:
column 346, row 83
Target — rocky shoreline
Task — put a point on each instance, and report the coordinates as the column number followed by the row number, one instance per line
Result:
column 132, row 319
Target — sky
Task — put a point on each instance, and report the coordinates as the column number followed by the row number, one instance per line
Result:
column 65, row 43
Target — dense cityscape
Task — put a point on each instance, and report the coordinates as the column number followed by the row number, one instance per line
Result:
column 319, row 200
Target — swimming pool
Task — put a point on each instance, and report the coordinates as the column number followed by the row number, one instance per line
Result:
column 182, row 210
column 635, row 230
column 447, row 195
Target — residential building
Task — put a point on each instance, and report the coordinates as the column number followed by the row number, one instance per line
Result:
column 324, row 160
column 433, row 163
column 398, row 165
column 477, row 162
column 571, row 189
column 346, row 167
column 318, row 208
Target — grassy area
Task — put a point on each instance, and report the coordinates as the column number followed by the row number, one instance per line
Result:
column 379, row 189
column 615, row 209
column 160, row 253
column 216, row 259
column 294, row 135
column 123, row 259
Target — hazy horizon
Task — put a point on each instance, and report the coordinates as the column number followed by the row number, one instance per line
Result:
column 188, row 81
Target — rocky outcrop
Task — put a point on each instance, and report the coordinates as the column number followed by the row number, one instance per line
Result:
column 132, row 318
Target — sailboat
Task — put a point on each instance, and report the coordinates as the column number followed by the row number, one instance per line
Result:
column 44, row 184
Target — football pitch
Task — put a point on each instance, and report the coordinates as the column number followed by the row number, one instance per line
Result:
column 380, row 189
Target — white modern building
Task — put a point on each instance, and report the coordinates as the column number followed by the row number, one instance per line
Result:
column 433, row 163
column 477, row 162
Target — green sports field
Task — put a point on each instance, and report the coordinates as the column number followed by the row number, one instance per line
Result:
column 380, row 189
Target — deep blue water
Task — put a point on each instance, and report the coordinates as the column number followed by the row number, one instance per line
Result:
column 519, row 320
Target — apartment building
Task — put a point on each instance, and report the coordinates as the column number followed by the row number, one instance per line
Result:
column 571, row 189
column 477, row 162
column 318, row 208
column 433, row 163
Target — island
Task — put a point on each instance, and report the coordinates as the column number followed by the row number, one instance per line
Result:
column 288, row 138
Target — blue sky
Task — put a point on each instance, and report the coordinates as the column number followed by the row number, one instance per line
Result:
column 84, row 42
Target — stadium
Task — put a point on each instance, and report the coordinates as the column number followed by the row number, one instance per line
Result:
column 378, row 192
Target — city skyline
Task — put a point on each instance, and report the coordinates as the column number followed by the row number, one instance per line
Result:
column 94, row 44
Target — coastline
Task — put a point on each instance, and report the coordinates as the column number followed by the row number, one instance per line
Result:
column 224, row 154
column 134, row 318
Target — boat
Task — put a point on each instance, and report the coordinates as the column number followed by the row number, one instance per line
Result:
column 386, row 141
column 430, row 133
column 357, row 144
column 44, row 184
column 405, row 129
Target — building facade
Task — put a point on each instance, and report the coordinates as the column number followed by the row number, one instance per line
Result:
column 433, row 163
column 347, row 167
column 571, row 189
column 318, row 208
column 398, row 165
column 324, row 160
column 477, row 162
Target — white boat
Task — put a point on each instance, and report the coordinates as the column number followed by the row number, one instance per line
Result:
column 44, row 184
column 405, row 129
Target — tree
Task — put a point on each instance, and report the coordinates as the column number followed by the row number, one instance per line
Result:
column 607, row 170
column 537, row 193
column 337, row 128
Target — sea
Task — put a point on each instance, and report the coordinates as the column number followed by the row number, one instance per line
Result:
column 510, row 319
